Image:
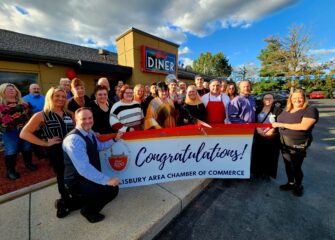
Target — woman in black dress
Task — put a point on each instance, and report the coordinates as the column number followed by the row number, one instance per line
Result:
column 193, row 109
column 101, row 108
column 266, row 144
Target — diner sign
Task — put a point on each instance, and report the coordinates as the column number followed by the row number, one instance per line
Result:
column 158, row 61
column 162, row 155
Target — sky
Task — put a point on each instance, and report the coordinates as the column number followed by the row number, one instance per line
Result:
column 235, row 27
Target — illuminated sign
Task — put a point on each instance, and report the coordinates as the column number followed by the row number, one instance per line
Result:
column 157, row 61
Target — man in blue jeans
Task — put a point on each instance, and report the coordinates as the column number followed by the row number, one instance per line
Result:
column 89, row 188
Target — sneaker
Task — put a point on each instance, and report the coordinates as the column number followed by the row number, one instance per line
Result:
column 93, row 218
column 298, row 191
column 62, row 210
column 287, row 187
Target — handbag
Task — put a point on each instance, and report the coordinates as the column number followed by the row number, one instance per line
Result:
column 296, row 143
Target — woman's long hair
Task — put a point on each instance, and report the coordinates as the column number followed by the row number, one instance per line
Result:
column 3, row 87
column 289, row 105
column 49, row 104
column 197, row 98
column 139, row 86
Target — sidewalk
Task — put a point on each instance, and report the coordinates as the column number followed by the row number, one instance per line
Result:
column 137, row 213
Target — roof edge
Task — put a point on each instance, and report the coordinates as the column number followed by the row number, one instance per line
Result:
column 132, row 29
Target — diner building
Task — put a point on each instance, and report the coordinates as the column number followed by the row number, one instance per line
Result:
column 140, row 58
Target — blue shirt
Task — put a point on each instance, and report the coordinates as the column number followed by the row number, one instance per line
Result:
column 75, row 146
column 37, row 102
column 242, row 109
column 69, row 95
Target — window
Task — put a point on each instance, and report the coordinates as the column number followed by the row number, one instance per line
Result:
column 21, row 80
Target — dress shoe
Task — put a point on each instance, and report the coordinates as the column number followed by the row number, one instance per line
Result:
column 93, row 218
column 298, row 191
column 62, row 209
column 31, row 167
column 287, row 187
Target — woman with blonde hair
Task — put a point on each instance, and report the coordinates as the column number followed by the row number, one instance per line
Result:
column 139, row 93
column 296, row 124
column 14, row 113
column 55, row 121
column 193, row 109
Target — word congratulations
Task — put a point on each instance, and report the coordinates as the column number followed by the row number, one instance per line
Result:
column 201, row 153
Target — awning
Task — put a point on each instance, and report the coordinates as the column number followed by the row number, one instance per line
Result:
column 103, row 69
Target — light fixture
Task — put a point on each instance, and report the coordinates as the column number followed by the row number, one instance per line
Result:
column 49, row 65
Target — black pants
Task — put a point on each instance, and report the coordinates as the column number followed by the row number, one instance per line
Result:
column 55, row 154
column 91, row 197
column 293, row 160
column 39, row 151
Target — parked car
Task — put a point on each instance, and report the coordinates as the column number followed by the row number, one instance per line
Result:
column 316, row 95
column 280, row 98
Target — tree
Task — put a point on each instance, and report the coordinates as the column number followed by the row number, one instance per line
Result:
column 221, row 65
column 246, row 71
column 273, row 58
column 213, row 65
column 288, row 56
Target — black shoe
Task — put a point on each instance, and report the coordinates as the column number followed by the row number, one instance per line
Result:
column 13, row 175
column 93, row 218
column 298, row 191
column 62, row 209
column 31, row 167
column 287, row 187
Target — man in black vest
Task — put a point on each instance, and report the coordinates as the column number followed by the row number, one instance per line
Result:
column 88, row 187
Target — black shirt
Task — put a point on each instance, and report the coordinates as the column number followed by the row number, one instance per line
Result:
column 101, row 119
column 203, row 91
column 296, row 117
column 73, row 105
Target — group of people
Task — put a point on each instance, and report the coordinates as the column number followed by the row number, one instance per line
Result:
column 65, row 124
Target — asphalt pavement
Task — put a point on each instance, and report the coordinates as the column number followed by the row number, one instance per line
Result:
column 257, row 209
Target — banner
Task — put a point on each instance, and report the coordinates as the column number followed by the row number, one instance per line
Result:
column 162, row 155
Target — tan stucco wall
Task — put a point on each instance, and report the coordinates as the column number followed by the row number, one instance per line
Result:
column 48, row 76
column 129, row 54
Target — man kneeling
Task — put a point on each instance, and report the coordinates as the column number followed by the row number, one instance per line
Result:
column 88, row 187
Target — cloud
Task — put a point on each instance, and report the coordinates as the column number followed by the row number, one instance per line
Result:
column 78, row 21
column 170, row 33
column 203, row 17
column 186, row 61
column 185, row 50
column 322, row 51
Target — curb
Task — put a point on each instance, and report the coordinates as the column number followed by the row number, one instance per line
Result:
column 23, row 191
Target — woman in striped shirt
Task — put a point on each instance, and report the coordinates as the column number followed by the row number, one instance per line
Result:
column 126, row 115
column 55, row 121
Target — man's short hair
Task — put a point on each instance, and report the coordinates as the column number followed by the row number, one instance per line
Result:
column 244, row 80
column 198, row 75
column 213, row 80
column 64, row 80
column 82, row 109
